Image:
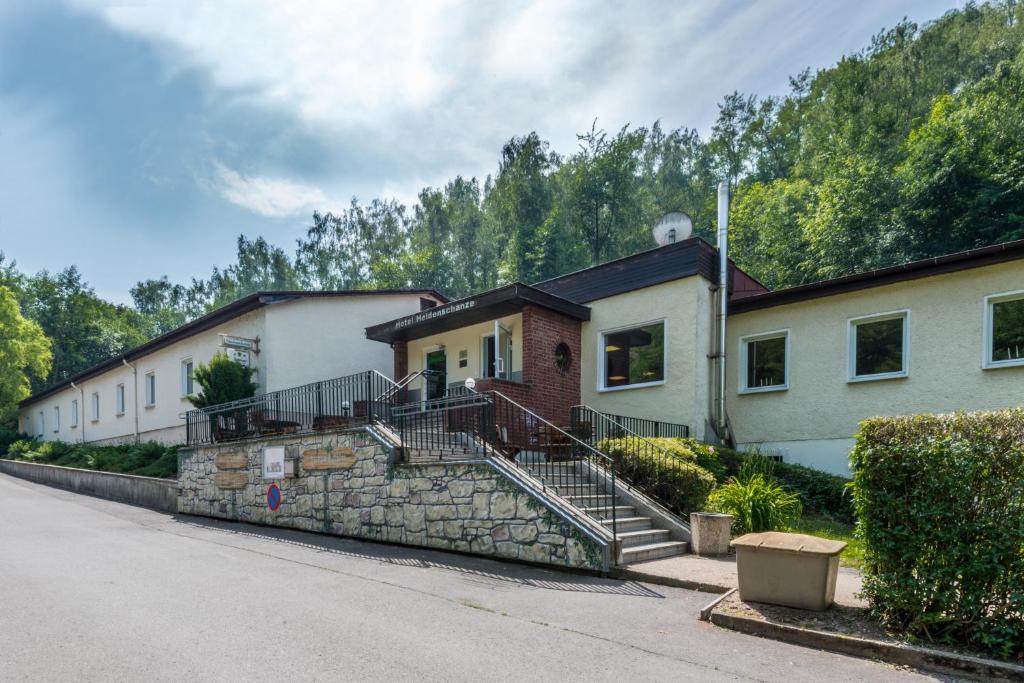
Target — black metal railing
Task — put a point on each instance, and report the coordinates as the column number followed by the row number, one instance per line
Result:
column 340, row 402
column 661, row 474
column 453, row 427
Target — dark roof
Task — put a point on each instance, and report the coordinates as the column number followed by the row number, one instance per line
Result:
column 692, row 256
column 211, row 320
column 471, row 310
column 973, row 258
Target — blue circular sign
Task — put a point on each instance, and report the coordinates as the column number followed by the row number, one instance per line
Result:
column 273, row 497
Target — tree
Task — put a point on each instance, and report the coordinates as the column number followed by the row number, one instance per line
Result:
column 222, row 380
column 24, row 352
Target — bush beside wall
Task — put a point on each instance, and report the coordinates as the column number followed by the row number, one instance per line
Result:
column 148, row 459
column 940, row 504
column 677, row 479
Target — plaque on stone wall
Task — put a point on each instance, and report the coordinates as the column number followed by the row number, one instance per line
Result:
column 318, row 459
column 232, row 479
column 232, row 460
column 273, row 462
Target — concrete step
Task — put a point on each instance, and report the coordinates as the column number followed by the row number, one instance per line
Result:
column 587, row 500
column 653, row 551
column 605, row 511
column 632, row 539
column 625, row 524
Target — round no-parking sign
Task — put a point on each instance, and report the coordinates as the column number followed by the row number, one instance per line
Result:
column 273, row 497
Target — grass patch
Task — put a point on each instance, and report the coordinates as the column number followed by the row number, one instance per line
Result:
column 824, row 527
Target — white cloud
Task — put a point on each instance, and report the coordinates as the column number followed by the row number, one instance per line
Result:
column 271, row 197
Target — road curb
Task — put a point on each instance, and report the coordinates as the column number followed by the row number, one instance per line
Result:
column 927, row 659
column 657, row 579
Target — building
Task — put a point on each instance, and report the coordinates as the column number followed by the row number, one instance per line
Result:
column 637, row 337
column 290, row 338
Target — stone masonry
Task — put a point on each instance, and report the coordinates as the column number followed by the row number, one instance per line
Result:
column 344, row 485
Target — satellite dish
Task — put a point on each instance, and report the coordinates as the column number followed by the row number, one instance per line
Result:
column 672, row 227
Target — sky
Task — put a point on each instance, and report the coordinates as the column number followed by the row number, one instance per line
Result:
column 139, row 139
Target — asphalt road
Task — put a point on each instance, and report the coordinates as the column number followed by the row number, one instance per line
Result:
column 95, row 590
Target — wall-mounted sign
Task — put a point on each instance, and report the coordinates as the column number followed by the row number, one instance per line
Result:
column 241, row 343
column 273, row 462
column 432, row 313
column 239, row 356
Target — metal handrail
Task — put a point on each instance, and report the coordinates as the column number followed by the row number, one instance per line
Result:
column 639, row 448
column 397, row 386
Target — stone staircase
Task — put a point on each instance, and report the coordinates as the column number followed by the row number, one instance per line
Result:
column 641, row 539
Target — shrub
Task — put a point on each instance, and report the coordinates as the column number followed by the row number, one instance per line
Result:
column 148, row 459
column 222, row 381
column 8, row 436
column 669, row 471
column 940, row 504
column 756, row 501
column 821, row 493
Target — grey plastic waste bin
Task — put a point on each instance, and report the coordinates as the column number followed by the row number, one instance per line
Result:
column 794, row 570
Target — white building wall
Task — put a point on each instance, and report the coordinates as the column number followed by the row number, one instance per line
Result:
column 301, row 341
column 814, row 420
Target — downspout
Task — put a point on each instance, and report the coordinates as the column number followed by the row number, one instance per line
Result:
column 135, row 395
column 723, row 299
column 81, row 418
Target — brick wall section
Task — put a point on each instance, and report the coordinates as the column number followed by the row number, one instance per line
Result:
column 551, row 391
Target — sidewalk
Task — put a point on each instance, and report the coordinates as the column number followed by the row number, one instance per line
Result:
column 718, row 575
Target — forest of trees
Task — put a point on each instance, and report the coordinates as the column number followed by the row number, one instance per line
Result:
column 913, row 147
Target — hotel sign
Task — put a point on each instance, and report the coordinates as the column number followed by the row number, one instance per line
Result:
column 433, row 313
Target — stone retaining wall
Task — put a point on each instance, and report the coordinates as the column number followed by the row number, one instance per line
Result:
column 150, row 492
column 345, row 485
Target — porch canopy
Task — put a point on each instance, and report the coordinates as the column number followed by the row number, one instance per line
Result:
column 471, row 310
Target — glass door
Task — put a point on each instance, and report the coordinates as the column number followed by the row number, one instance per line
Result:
column 436, row 374
column 503, row 351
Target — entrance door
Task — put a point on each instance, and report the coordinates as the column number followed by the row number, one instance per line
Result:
column 436, row 374
column 503, row 342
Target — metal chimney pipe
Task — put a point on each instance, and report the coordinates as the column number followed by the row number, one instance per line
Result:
column 723, row 297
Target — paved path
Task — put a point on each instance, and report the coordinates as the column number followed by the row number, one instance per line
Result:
column 95, row 590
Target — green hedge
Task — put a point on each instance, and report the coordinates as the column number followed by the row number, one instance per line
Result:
column 149, row 459
column 678, row 481
column 940, row 504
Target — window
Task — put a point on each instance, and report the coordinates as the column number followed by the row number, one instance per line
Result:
column 95, row 406
column 633, row 357
column 150, row 389
column 563, row 357
column 1004, row 330
column 764, row 362
column 42, row 424
column 119, row 399
column 74, row 413
column 187, row 380
column 879, row 346
column 56, row 419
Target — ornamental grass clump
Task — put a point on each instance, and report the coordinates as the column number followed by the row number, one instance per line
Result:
column 756, row 501
column 940, row 505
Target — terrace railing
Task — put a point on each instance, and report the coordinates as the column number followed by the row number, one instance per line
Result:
column 351, row 400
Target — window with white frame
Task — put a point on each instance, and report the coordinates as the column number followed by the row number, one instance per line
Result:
column 187, row 379
column 42, row 424
column 119, row 400
column 1004, row 330
column 95, row 406
column 879, row 346
column 633, row 357
column 764, row 362
column 74, row 412
column 150, row 384
column 56, row 419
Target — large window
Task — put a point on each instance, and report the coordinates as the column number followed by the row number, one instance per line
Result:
column 764, row 362
column 879, row 346
column 119, row 400
column 150, row 384
column 633, row 357
column 1004, row 330
column 187, row 379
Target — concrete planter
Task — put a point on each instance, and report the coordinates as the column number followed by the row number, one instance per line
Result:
column 710, row 533
column 793, row 570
